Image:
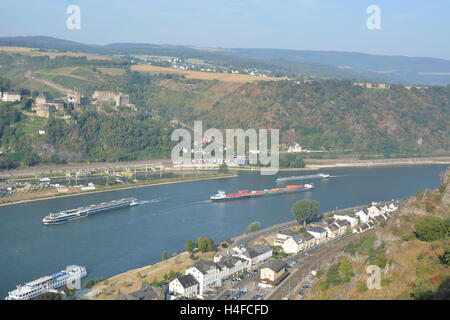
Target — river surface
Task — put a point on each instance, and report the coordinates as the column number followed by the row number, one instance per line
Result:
column 116, row 241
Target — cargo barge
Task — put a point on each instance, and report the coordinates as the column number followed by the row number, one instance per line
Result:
column 244, row 194
column 78, row 213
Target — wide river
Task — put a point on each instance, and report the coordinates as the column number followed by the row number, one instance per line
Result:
column 117, row 241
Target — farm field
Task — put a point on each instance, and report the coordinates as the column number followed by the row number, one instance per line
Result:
column 226, row 77
column 51, row 54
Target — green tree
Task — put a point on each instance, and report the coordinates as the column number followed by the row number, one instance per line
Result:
column 164, row 255
column 223, row 168
column 254, row 226
column 345, row 269
column 48, row 296
column 205, row 244
column 431, row 228
column 189, row 246
column 305, row 210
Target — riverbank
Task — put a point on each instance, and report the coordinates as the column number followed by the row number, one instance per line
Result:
column 166, row 165
column 132, row 280
column 45, row 195
column 318, row 164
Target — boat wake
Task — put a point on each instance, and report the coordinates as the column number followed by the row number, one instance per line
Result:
column 157, row 200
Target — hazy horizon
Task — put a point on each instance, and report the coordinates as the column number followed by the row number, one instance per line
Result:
column 408, row 28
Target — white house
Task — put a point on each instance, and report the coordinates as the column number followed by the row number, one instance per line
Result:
column 343, row 225
column 392, row 207
column 185, row 286
column 332, row 230
column 255, row 255
column 10, row 96
column 363, row 216
column 207, row 273
column 289, row 241
column 348, row 217
column 230, row 266
column 374, row 211
column 320, row 234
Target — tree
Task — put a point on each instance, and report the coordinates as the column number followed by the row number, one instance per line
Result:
column 254, row 226
column 205, row 244
column 189, row 246
column 305, row 210
column 164, row 255
column 431, row 228
column 223, row 168
column 48, row 296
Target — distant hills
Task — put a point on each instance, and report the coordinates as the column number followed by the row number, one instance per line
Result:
column 325, row 64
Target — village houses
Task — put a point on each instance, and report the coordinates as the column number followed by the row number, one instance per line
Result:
column 206, row 273
column 184, row 286
column 319, row 233
column 293, row 242
column 255, row 255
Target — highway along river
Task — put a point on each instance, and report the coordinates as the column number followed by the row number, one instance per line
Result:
column 116, row 241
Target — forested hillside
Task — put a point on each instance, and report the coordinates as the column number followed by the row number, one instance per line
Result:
column 327, row 115
column 321, row 115
column 335, row 114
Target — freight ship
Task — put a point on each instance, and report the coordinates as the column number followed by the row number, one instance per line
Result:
column 311, row 176
column 72, row 214
column 30, row 290
column 243, row 194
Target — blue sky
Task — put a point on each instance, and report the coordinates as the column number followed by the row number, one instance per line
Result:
column 412, row 28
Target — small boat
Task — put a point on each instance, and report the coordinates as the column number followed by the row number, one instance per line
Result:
column 310, row 176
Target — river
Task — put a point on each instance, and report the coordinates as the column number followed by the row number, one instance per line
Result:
column 117, row 241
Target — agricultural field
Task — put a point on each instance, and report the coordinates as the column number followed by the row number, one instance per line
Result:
column 51, row 54
column 226, row 77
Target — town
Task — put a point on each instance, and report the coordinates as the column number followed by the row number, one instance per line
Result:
column 255, row 265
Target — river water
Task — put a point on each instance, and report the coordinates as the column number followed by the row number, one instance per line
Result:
column 117, row 241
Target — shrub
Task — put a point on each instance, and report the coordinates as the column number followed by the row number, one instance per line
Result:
column 254, row 226
column 431, row 228
column 419, row 194
column 407, row 236
column 385, row 282
column 361, row 286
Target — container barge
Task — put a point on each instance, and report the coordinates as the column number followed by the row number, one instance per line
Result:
column 244, row 194
column 78, row 213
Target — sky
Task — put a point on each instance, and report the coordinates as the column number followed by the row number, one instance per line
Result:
column 408, row 27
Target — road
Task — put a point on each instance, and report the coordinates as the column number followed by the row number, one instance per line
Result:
column 317, row 256
column 57, row 87
column 85, row 166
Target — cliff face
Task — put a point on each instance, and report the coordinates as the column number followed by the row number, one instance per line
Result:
column 410, row 268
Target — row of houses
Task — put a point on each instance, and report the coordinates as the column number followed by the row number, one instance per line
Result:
column 204, row 275
column 315, row 234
